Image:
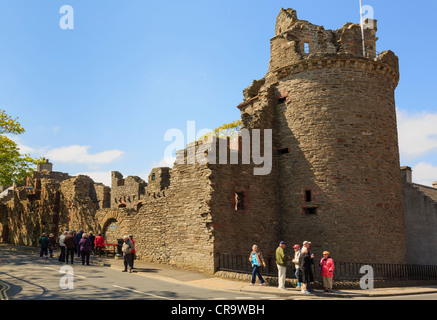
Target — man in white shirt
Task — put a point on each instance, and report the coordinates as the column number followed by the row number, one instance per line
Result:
column 62, row 246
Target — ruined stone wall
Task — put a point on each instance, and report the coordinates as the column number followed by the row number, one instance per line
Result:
column 50, row 202
column 126, row 192
column 132, row 191
column 171, row 225
column 78, row 204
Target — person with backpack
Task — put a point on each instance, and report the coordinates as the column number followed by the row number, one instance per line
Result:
column 44, row 244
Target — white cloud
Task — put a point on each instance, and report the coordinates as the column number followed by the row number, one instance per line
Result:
column 23, row 148
column 79, row 154
column 424, row 173
column 417, row 134
column 164, row 162
column 98, row 176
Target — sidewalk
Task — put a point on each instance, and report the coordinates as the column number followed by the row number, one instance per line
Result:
column 193, row 278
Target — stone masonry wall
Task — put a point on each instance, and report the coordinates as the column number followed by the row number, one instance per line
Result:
column 420, row 222
column 171, row 225
column 50, row 202
column 335, row 138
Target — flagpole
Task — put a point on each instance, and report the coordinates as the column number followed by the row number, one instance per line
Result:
column 362, row 29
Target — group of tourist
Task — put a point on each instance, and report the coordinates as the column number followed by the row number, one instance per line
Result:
column 303, row 260
column 83, row 244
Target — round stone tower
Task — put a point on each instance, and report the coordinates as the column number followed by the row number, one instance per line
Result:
column 335, row 138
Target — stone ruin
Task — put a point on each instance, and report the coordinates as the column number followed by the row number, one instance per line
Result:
column 335, row 177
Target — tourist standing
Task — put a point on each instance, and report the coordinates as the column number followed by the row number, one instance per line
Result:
column 131, row 237
column 305, row 270
column 327, row 270
column 281, row 263
column 98, row 242
column 307, row 244
column 62, row 246
column 77, row 238
column 70, row 247
column 256, row 258
column 52, row 244
column 295, row 260
column 92, row 238
column 44, row 244
column 127, row 248
column 85, row 249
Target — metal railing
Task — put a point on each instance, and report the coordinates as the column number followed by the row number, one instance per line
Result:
column 346, row 271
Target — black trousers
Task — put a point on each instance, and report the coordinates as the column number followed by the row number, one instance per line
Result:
column 99, row 251
column 70, row 252
column 62, row 254
column 85, row 257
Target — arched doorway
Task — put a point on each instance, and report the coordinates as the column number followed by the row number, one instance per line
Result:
column 110, row 231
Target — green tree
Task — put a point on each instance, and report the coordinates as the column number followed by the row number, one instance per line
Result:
column 14, row 166
column 225, row 130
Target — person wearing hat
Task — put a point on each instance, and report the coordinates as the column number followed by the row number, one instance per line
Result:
column 281, row 263
column 296, row 248
column 305, row 270
column 44, row 244
column 306, row 244
column 327, row 270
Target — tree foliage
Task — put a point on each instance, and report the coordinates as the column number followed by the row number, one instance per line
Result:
column 225, row 130
column 14, row 166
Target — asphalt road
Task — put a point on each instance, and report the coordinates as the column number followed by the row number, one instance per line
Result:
column 24, row 276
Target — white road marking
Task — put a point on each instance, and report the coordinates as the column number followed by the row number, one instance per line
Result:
column 148, row 294
column 76, row 275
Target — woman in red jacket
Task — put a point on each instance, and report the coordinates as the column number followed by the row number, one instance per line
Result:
column 98, row 242
column 327, row 269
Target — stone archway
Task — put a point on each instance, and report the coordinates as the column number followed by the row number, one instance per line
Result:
column 110, row 231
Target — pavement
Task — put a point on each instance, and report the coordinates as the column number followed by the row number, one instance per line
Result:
column 193, row 278
column 197, row 279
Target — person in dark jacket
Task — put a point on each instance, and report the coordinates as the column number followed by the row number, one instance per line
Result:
column 44, row 244
column 77, row 238
column 52, row 244
column 305, row 269
column 70, row 246
column 127, row 248
column 85, row 249
column 92, row 238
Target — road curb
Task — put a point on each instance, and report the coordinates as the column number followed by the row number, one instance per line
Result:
column 337, row 294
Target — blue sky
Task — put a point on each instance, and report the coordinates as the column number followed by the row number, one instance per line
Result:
column 100, row 97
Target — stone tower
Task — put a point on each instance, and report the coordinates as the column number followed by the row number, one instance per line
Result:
column 335, row 139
